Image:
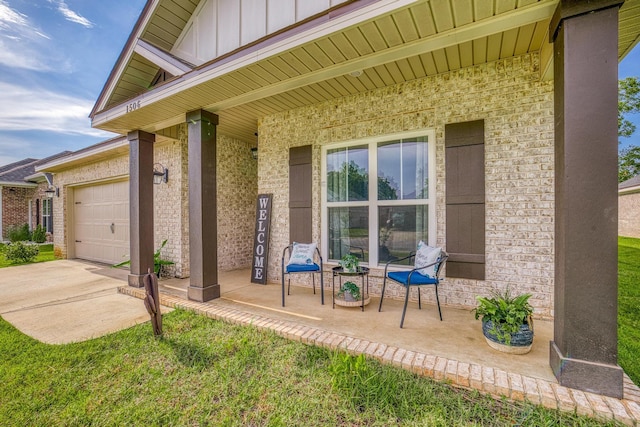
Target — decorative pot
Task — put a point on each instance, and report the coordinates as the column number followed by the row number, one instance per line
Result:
column 521, row 341
column 348, row 297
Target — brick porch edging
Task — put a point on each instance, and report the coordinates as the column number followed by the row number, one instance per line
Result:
column 496, row 382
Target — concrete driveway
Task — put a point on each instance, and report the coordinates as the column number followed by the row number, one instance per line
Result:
column 67, row 301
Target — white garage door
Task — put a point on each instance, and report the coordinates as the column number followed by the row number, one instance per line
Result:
column 101, row 222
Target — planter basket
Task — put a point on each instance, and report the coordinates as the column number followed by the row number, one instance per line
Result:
column 521, row 341
column 349, row 301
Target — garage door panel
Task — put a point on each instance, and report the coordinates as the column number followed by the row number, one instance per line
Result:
column 101, row 222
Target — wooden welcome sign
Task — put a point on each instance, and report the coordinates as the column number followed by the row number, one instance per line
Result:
column 261, row 240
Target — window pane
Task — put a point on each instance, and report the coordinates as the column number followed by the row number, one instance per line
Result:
column 348, row 174
column 349, row 232
column 403, row 169
column 401, row 228
column 389, row 162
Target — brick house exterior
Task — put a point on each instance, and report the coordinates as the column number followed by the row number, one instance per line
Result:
column 350, row 81
column 22, row 196
column 108, row 161
column 629, row 208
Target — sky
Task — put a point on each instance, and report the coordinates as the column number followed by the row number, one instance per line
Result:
column 55, row 57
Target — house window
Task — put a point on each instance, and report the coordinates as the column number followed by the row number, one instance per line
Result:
column 46, row 215
column 378, row 197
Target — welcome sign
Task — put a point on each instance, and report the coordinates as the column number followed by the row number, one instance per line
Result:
column 261, row 240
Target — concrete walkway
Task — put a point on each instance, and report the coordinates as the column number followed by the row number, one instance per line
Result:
column 66, row 301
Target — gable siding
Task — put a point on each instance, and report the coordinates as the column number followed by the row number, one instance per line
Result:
column 218, row 27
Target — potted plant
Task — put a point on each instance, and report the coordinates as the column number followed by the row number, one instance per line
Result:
column 349, row 263
column 506, row 321
column 349, row 291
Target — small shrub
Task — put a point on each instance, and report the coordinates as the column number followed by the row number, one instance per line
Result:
column 20, row 252
column 39, row 235
column 19, row 233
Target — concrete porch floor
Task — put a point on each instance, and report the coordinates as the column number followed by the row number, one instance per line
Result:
column 453, row 349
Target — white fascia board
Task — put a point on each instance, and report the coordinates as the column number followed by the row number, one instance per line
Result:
column 629, row 190
column 160, row 58
column 38, row 177
column 17, row 184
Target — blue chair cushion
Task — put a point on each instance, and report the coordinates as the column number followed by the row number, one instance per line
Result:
column 416, row 278
column 302, row 268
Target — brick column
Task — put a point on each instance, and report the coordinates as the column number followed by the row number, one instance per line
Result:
column 584, row 352
column 140, row 205
column 203, row 218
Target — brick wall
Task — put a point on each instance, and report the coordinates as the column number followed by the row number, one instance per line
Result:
column 518, row 112
column 237, row 190
column 629, row 215
column 15, row 207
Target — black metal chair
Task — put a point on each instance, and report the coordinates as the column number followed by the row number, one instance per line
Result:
column 408, row 278
column 312, row 268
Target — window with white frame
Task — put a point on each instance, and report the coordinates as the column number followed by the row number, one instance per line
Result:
column 378, row 198
column 46, row 215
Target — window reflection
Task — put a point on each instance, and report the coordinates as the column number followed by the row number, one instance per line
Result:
column 349, row 232
column 400, row 230
column 348, row 174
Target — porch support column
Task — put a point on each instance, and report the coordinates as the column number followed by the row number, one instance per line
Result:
column 584, row 351
column 140, row 205
column 203, row 218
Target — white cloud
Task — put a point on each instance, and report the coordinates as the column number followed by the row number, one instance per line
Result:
column 27, row 109
column 20, row 40
column 24, row 58
column 72, row 16
column 9, row 17
column 16, row 25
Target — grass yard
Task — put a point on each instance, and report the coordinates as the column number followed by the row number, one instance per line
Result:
column 629, row 306
column 46, row 254
column 206, row 372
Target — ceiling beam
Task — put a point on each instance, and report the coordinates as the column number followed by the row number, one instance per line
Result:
column 161, row 58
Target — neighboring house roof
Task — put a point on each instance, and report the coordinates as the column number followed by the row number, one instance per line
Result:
column 629, row 186
column 21, row 173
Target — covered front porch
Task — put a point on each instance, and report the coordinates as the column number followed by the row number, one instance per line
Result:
column 452, row 350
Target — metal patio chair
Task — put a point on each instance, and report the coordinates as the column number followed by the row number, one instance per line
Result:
column 313, row 267
column 408, row 278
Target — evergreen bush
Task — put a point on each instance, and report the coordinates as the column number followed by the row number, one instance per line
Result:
column 19, row 233
column 39, row 235
column 21, row 252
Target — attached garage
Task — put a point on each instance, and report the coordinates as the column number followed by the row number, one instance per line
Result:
column 101, row 222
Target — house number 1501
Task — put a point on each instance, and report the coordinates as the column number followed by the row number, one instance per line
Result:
column 133, row 106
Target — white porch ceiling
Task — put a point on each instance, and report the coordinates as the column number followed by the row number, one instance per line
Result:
column 421, row 39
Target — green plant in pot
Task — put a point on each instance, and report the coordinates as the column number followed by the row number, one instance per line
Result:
column 349, row 291
column 350, row 263
column 506, row 321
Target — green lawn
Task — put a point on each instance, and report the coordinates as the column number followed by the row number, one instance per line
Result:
column 629, row 306
column 206, row 372
column 46, row 254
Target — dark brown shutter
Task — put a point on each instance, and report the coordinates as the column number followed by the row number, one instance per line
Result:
column 300, row 192
column 465, row 199
column 37, row 212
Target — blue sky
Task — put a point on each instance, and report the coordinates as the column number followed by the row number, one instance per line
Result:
column 56, row 55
